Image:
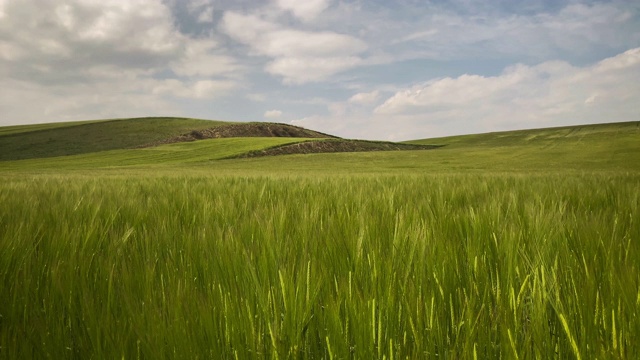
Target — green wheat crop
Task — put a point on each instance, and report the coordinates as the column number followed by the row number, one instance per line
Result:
column 395, row 267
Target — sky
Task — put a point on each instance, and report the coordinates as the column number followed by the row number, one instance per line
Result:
column 375, row 69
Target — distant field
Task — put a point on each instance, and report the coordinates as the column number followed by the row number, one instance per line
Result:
column 508, row 245
column 550, row 136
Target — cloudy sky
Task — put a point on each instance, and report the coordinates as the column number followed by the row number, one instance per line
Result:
column 373, row 69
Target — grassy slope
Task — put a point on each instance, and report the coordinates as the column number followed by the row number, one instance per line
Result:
column 546, row 137
column 606, row 147
column 586, row 147
column 610, row 147
column 15, row 129
column 200, row 153
column 50, row 140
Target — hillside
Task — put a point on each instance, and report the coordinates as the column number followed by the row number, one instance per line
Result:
column 84, row 137
column 73, row 138
column 61, row 139
column 87, row 137
column 539, row 137
column 604, row 147
column 254, row 129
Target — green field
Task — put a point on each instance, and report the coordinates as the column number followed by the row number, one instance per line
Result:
column 507, row 245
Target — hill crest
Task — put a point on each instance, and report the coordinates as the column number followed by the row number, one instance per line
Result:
column 253, row 129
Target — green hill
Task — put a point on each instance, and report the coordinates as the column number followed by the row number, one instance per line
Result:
column 83, row 137
column 173, row 143
column 60, row 139
column 542, row 137
column 89, row 137
column 582, row 148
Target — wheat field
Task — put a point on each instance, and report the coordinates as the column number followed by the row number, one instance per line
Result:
column 341, row 267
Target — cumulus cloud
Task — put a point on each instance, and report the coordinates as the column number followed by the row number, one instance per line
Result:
column 43, row 41
column 122, row 58
column 552, row 92
column 300, row 70
column 297, row 56
column 272, row 114
column 106, row 99
column 200, row 89
column 204, row 57
column 271, row 39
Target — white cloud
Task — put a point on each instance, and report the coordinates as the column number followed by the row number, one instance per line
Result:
column 365, row 98
column 273, row 40
column 306, row 10
column 108, row 99
column 200, row 89
column 246, row 29
column 527, row 96
column 204, row 57
column 77, row 34
column 553, row 93
column 272, row 114
column 287, row 42
column 300, row 70
column 297, row 56
column 91, row 59
column 315, row 122
column 132, row 25
column 122, row 95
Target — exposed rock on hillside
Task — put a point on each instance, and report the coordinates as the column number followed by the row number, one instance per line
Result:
column 244, row 130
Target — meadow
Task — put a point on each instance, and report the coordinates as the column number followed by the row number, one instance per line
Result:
column 479, row 250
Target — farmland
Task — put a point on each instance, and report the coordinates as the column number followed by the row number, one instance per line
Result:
column 507, row 245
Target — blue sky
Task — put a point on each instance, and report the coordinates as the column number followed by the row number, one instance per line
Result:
column 390, row 70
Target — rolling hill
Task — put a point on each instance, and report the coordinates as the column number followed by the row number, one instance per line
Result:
column 540, row 137
column 61, row 139
column 202, row 145
column 65, row 139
